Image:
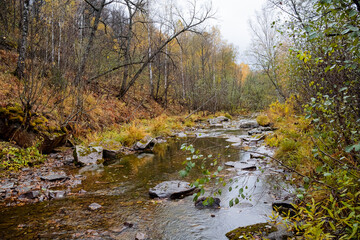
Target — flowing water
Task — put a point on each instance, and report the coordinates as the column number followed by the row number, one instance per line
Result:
column 121, row 187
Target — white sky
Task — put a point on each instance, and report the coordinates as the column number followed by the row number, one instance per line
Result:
column 232, row 19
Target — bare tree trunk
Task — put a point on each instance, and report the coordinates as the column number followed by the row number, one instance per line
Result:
column 182, row 73
column 150, row 65
column 52, row 35
column 123, row 89
column 85, row 55
column 165, row 76
column 59, row 47
column 19, row 72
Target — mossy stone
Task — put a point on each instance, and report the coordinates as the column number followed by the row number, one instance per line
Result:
column 259, row 229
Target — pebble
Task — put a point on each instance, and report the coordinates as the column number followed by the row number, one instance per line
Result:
column 94, row 206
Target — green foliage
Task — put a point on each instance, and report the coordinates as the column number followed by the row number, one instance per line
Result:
column 15, row 158
column 329, row 192
column 210, row 175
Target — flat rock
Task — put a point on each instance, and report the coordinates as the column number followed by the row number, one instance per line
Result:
column 230, row 164
column 218, row 120
column 172, row 190
column 147, row 143
column 94, row 206
column 87, row 156
column 112, row 154
column 7, row 185
column 54, row 177
column 30, row 195
column 57, row 194
column 248, row 124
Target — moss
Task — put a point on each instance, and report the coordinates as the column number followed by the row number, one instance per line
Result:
column 259, row 230
column 15, row 109
column 18, row 118
column 228, row 116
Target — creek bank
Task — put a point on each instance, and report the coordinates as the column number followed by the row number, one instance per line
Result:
column 38, row 184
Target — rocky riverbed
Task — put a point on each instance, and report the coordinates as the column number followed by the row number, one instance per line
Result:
column 110, row 200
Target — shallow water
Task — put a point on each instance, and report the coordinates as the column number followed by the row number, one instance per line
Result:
column 121, row 187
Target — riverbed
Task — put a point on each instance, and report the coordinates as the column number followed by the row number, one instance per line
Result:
column 121, row 187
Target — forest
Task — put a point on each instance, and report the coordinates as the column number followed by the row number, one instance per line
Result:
column 122, row 75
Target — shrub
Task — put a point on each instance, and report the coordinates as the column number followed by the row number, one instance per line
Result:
column 263, row 120
column 15, row 158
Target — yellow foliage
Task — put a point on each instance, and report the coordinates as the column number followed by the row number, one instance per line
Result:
column 263, row 120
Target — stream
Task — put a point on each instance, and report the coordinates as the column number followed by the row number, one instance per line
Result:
column 121, row 187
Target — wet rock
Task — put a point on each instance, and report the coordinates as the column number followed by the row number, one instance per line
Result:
column 7, row 185
column 250, row 168
column 284, row 208
column 140, row 236
column 147, row 143
column 218, row 120
column 54, row 177
column 199, row 204
column 82, row 191
column 181, row 135
column 112, row 154
column 94, row 206
column 30, row 195
column 160, row 140
column 68, row 160
column 22, row 189
column 248, row 124
column 172, row 190
column 281, row 234
column 243, row 165
column 255, row 231
column 260, row 130
column 258, row 156
column 87, row 156
column 230, row 164
column 57, row 194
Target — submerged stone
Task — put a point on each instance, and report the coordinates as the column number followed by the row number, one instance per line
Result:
column 199, row 204
column 172, row 190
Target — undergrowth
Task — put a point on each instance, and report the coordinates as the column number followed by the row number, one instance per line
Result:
column 327, row 179
column 15, row 158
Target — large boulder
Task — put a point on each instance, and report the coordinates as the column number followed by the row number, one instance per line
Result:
column 172, row 190
column 87, row 155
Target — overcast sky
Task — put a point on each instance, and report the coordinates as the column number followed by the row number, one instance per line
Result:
column 232, row 19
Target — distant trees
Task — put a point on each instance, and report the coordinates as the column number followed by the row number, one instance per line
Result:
column 74, row 46
column 266, row 50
